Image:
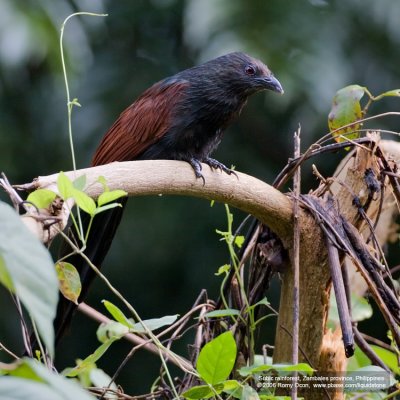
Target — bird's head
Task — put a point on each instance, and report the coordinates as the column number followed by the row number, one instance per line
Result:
column 246, row 74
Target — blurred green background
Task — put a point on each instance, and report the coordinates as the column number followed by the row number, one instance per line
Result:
column 167, row 250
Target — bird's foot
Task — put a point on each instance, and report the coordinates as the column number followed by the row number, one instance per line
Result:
column 196, row 165
column 214, row 164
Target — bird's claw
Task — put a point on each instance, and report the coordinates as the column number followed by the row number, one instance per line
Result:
column 212, row 163
column 197, row 167
column 215, row 164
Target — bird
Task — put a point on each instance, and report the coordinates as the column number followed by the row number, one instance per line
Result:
column 182, row 117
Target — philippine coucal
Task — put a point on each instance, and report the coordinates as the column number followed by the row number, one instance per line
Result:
column 182, row 117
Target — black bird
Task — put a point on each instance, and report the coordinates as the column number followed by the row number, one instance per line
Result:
column 182, row 117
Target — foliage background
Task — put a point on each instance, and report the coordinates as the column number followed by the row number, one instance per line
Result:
column 166, row 250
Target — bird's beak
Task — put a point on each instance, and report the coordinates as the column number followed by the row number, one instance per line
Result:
column 271, row 83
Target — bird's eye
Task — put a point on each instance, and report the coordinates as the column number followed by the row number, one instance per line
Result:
column 250, row 70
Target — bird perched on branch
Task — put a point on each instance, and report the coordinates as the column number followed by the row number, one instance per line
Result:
column 182, row 117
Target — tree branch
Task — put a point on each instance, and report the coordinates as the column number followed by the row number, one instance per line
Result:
column 167, row 177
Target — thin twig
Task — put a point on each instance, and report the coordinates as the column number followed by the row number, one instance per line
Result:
column 296, row 261
column 303, row 353
column 117, row 293
column 24, row 327
column 135, row 339
column 10, row 190
column 378, row 342
column 313, row 151
column 391, row 174
column 367, row 349
column 9, row 352
column 124, row 396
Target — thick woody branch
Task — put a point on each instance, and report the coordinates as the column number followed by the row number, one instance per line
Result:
column 167, row 177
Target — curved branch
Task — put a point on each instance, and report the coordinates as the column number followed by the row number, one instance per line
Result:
column 155, row 177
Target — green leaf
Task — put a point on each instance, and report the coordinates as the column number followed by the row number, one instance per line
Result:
column 346, row 109
column 154, row 323
column 239, row 240
column 262, row 302
column 5, row 277
column 248, row 393
column 388, row 357
column 84, row 202
column 231, row 384
column 233, row 388
column 69, row 281
column 80, row 182
column 74, row 102
column 101, row 380
column 117, row 314
column 358, row 360
column 360, row 308
column 65, row 186
column 198, row 392
column 217, row 358
column 88, row 362
column 103, row 181
column 224, row 269
column 390, row 93
column 31, row 380
column 300, row 367
column 108, row 197
column 222, row 313
column 23, row 370
column 111, row 329
column 106, row 207
column 254, row 369
column 13, row 388
column 41, row 198
column 30, row 272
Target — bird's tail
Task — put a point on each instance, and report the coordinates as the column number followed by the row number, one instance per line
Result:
column 101, row 234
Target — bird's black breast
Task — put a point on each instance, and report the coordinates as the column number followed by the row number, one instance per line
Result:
column 196, row 126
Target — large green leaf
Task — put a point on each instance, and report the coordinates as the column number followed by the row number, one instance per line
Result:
column 35, row 381
column 69, row 281
column 390, row 93
column 358, row 360
column 360, row 309
column 111, row 329
column 65, row 186
column 198, row 392
column 154, row 323
column 204, row 391
column 12, row 388
column 346, row 109
column 388, row 357
column 117, row 314
column 31, row 271
column 80, row 182
column 42, row 198
column 233, row 388
column 109, row 196
column 84, row 202
column 100, row 379
column 217, row 358
column 248, row 393
column 88, row 362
